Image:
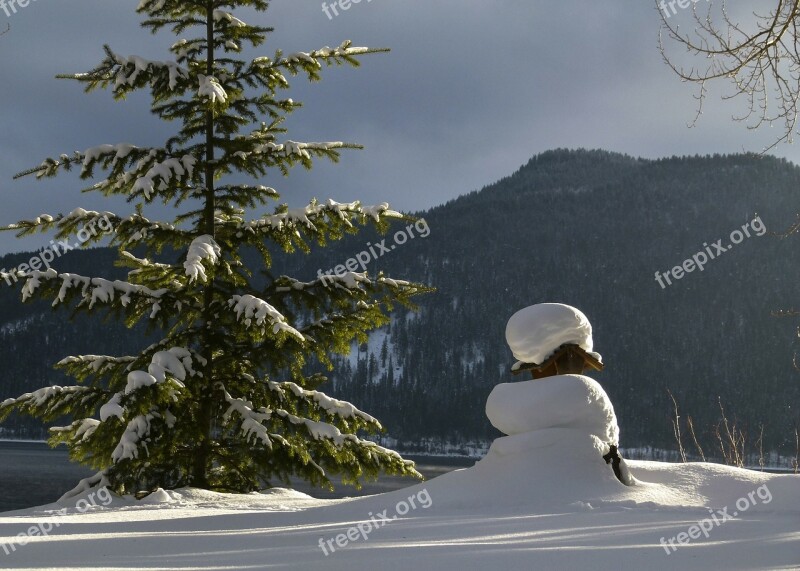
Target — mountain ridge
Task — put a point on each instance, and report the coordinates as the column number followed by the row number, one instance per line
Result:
column 589, row 228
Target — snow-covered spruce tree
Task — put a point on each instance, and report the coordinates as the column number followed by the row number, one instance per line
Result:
column 223, row 400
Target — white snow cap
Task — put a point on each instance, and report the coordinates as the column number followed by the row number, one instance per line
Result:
column 534, row 333
column 562, row 401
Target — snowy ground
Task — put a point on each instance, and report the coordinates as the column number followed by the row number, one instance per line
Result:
column 543, row 498
column 510, row 512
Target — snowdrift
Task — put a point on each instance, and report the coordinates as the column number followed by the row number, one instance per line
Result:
column 543, row 500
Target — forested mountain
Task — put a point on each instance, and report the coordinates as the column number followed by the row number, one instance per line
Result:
column 586, row 228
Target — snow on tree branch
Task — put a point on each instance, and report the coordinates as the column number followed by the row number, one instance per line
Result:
column 177, row 362
column 290, row 148
column 98, row 480
column 202, row 248
column 330, row 405
column 40, row 397
column 84, row 223
column 137, row 228
column 164, row 171
column 97, row 363
column 132, row 72
column 108, row 155
column 79, row 431
column 322, row 430
column 222, row 16
column 248, row 308
column 310, row 62
column 47, row 402
column 211, row 88
column 136, row 431
column 150, row 5
column 313, row 212
column 252, row 420
column 119, row 151
column 132, row 66
column 93, row 290
column 347, row 281
column 84, row 366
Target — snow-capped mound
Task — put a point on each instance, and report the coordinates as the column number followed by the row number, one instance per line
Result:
column 535, row 332
column 561, row 401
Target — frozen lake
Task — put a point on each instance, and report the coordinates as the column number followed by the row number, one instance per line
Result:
column 33, row 474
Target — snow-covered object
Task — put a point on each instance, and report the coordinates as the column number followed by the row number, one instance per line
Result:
column 164, row 171
column 160, row 496
column 306, row 216
column 174, row 361
column 252, row 427
column 93, row 289
column 562, row 401
column 177, row 361
column 202, row 248
column 120, row 152
column 138, row 380
column 222, row 16
column 211, row 88
column 138, row 429
column 534, row 333
column 142, row 65
column 111, row 408
column 249, row 308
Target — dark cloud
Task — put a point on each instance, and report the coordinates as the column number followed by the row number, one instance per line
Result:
column 470, row 91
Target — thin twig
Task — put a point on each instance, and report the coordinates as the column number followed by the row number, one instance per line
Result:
column 694, row 438
column 676, row 427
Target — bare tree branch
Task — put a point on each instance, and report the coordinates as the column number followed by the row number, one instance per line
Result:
column 762, row 64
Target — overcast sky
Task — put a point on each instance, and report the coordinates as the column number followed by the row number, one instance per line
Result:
column 471, row 90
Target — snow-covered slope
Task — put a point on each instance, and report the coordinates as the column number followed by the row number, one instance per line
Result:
column 538, row 504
